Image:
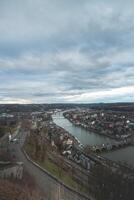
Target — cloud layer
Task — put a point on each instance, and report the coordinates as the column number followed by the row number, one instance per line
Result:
column 66, row 51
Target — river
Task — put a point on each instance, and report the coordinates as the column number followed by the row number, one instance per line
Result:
column 89, row 138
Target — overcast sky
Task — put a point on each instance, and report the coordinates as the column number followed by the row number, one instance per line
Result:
column 66, row 51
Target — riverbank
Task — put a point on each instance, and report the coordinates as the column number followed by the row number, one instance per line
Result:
column 92, row 130
column 90, row 138
column 116, row 126
column 84, row 136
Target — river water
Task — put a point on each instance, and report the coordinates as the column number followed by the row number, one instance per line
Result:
column 89, row 138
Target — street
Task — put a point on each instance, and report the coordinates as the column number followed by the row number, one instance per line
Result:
column 52, row 189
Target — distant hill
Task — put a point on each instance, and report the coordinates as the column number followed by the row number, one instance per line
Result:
column 41, row 107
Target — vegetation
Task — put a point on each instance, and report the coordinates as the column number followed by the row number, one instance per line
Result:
column 41, row 154
column 112, row 186
column 26, row 189
column 59, row 173
column 3, row 130
column 6, row 129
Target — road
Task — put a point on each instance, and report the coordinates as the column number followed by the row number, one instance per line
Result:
column 52, row 189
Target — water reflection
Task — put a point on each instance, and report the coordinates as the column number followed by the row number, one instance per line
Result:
column 85, row 137
column 90, row 138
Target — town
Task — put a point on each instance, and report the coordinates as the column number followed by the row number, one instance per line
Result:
column 116, row 125
column 31, row 141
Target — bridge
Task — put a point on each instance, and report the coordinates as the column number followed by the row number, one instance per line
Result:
column 58, row 117
column 110, row 146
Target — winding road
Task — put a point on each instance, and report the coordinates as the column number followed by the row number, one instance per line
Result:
column 52, row 189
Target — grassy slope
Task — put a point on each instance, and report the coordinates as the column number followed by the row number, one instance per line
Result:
column 54, row 170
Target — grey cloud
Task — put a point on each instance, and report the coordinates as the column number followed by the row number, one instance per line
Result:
column 50, row 51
